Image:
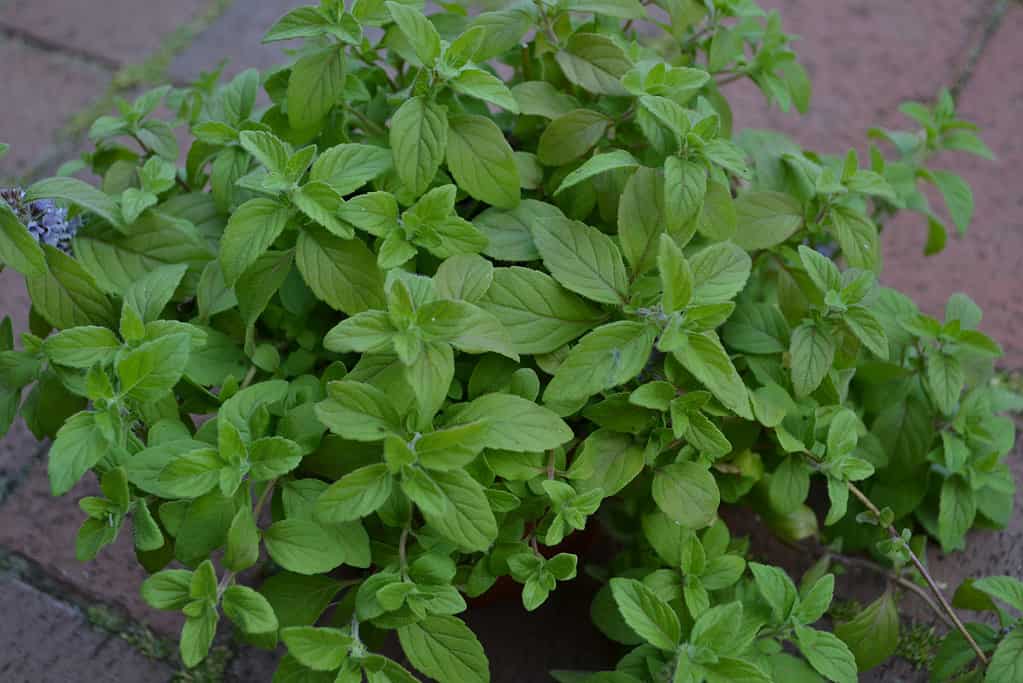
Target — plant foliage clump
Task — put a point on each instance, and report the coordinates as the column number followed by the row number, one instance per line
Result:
column 411, row 313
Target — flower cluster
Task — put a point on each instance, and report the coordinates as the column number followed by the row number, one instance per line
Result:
column 47, row 222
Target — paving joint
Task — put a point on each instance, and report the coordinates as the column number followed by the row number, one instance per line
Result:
column 55, row 47
column 991, row 26
column 115, row 621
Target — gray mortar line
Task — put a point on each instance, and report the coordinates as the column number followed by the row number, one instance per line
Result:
column 31, row 573
column 991, row 26
column 52, row 46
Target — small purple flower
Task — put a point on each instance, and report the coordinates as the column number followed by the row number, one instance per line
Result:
column 46, row 221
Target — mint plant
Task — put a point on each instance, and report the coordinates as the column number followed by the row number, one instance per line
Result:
column 414, row 309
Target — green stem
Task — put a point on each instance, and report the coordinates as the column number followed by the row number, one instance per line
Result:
column 945, row 607
column 370, row 125
column 249, row 376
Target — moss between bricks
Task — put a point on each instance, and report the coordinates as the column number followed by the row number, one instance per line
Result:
column 111, row 620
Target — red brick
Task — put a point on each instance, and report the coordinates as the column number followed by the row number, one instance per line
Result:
column 121, row 31
column 42, row 91
column 43, row 640
column 236, row 36
column 44, row 528
column 986, row 263
column 864, row 58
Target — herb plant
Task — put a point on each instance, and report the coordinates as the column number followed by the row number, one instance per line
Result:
column 460, row 287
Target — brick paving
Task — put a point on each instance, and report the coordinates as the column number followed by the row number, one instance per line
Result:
column 865, row 56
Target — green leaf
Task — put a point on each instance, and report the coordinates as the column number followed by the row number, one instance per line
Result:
column 343, row 273
column 249, row 610
column 315, row 86
column 945, row 380
column 757, row 329
column 465, row 277
column 82, row 347
column 420, row 32
column 267, row 149
column 642, row 216
column 704, row 357
column 816, row 601
column 596, row 165
column 467, row 327
column 151, row 294
column 514, row 424
column 301, row 22
column 739, row 671
column 150, row 370
column 956, row 512
column 1003, row 588
column 607, row 357
column 482, row 162
column 242, row 541
column 419, row 141
column 958, row 197
column 621, row 9
column 1007, row 663
column 789, row 485
column 540, row 98
column 687, row 493
column 430, row 376
column 868, row 330
column 827, row 654
column 646, row 614
column 822, row 270
column 320, row 649
column 487, row 87
column 250, row 232
column 595, row 63
column 676, row 276
column 320, row 203
column 813, row 353
column 873, row 634
column 720, row 271
column 509, row 233
column 79, row 445
column 715, row 629
column 303, row 547
column 348, row 167
column 272, row 457
column 67, row 296
column 766, row 219
column 466, row 519
column 193, row 474
column 570, row 136
column 117, row 261
column 355, row 495
column 685, row 187
column 777, row 589
column 18, row 249
column 444, row 648
column 539, row 315
column 366, row 332
column 197, row 636
column 857, row 236
column 79, row 193
column 583, row 259
column 358, row 411
column 168, row 590
column 718, row 220
column 146, row 533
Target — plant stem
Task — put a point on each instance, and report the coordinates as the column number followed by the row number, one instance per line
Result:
column 862, row 563
column 945, row 607
column 730, row 79
column 249, row 376
column 369, row 124
column 402, row 556
column 263, row 498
